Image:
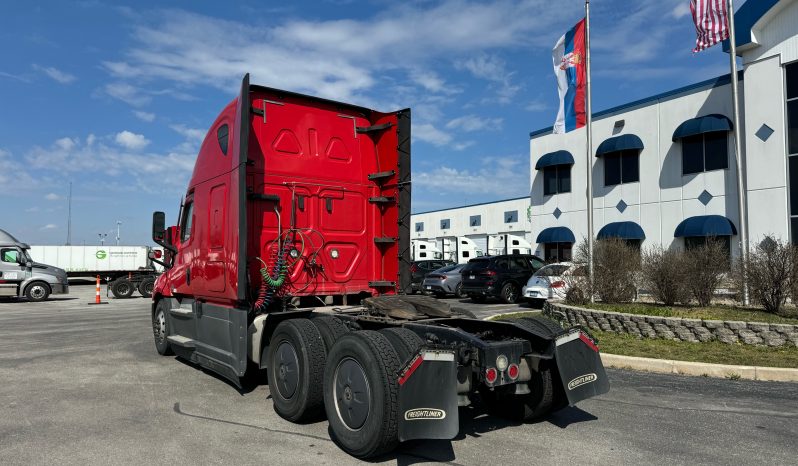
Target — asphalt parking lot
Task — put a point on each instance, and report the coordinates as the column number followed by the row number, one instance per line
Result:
column 83, row 385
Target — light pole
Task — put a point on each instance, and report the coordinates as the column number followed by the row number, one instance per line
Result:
column 102, row 238
column 118, row 223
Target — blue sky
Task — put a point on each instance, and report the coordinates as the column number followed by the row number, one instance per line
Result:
column 117, row 96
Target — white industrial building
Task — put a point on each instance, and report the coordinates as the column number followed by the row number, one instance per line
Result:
column 478, row 222
column 664, row 170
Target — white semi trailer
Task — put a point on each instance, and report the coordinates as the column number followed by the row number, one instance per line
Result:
column 425, row 250
column 507, row 243
column 124, row 268
column 460, row 249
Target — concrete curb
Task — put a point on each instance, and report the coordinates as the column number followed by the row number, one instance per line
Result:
column 667, row 366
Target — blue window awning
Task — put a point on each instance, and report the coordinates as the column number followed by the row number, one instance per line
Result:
column 560, row 157
column 701, row 125
column 618, row 143
column 556, row 235
column 705, row 225
column 622, row 230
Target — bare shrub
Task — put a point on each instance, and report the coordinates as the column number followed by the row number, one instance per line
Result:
column 771, row 271
column 705, row 267
column 616, row 267
column 663, row 274
column 578, row 286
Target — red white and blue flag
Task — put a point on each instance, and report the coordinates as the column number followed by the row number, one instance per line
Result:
column 711, row 22
column 568, row 57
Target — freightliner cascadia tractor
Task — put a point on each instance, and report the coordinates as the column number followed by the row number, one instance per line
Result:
column 296, row 197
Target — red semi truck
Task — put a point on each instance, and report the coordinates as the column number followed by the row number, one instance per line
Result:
column 295, row 196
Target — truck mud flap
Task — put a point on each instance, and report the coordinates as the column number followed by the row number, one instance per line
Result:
column 580, row 367
column 428, row 397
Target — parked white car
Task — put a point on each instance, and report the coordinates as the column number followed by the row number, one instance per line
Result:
column 550, row 282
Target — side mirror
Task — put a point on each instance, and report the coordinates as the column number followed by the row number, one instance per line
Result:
column 158, row 227
column 29, row 264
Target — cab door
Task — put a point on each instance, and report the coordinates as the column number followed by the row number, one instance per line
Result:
column 12, row 273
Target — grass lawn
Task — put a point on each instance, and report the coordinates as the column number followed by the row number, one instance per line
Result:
column 711, row 352
column 707, row 313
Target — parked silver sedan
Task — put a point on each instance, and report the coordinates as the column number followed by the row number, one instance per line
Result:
column 446, row 280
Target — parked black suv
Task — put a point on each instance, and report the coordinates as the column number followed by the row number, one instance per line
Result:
column 420, row 269
column 498, row 276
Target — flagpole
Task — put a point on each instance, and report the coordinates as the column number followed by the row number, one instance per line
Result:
column 738, row 154
column 589, row 149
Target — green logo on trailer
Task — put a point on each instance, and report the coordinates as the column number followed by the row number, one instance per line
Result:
column 101, row 254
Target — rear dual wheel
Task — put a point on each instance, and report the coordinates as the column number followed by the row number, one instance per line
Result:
column 296, row 360
column 361, row 392
column 122, row 288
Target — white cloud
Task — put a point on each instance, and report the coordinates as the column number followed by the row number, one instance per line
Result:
column 127, row 93
column 49, row 226
column 32, row 209
column 498, row 177
column 537, row 105
column 131, row 140
column 52, row 197
column 471, row 123
column 55, row 74
column 144, row 116
column 65, row 143
column 329, row 58
column 494, row 69
column 119, row 168
column 15, row 77
column 681, row 10
column 428, row 133
column 191, row 134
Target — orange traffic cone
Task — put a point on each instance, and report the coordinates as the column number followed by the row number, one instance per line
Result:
column 97, row 294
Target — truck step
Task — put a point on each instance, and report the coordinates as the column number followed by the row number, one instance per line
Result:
column 382, row 284
column 181, row 341
column 382, row 200
column 381, row 175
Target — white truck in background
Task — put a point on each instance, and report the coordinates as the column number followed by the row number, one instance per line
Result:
column 422, row 250
column 460, row 249
column 507, row 243
column 124, row 268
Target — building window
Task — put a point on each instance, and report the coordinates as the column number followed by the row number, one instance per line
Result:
column 693, row 242
column 511, row 216
column 445, row 224
column 557, row 252
column 621, row 167
column 556, row 180
column 705, row 152
column 791, row 75
column 475, row 220
column 419, row 226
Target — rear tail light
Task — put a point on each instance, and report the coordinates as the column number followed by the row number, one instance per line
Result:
column 489, row 273
column 157, row 253
column 558, row 284
column 512, row 371
column 491, row 374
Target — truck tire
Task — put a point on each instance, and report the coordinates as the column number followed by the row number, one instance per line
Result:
column 331, row 329
column 146, row 287
column 37, row 291
column 296, row 360
column 160, row 328
column 122, row 288
column 405, row 342
column 544, row 323
column 361, row 394
column 509, row 293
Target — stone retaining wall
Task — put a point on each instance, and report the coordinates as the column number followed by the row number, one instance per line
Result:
column 676, row 328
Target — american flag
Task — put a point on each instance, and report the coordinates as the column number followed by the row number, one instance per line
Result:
column 711, row 22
